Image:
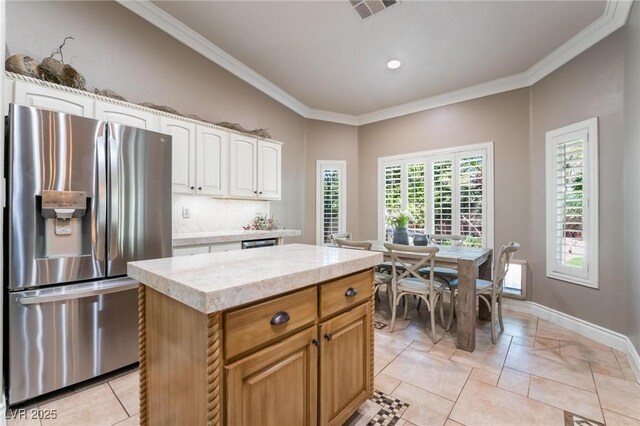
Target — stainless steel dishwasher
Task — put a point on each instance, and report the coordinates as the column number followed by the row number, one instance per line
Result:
column 259, row 243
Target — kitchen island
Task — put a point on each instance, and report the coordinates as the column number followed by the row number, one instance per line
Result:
column 273, row 336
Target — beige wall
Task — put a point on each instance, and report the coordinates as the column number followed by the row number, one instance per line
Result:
column 502, row 118
column 590, row 85
column 331, row 141
column 631, row 185
column 115, row 49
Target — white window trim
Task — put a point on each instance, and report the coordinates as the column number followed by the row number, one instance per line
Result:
column 590, row 227
column 420, row 156
column 342, row 217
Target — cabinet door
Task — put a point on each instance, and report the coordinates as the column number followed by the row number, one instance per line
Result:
column 212, row 160
column 345, row 363
column 127, row 116
column 242, row 182
column 275, row 386
column 52, row 99
column 269, row 170
column 183, row 143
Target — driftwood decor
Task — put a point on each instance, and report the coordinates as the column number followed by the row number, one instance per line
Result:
column 55, row 71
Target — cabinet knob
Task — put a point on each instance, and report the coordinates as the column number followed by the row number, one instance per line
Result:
column 280, row 318
column 260, row 192
column 351, row 292
column 199, row 188
column 193, row 187
column 328, row 337
column 255, row 192
column 315, row 342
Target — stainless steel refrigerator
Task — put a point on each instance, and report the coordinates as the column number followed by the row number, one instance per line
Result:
column 84, row 197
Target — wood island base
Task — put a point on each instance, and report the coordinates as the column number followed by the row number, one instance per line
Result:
column 299, row 358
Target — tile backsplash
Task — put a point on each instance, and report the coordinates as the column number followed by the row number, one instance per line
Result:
column 211, row 214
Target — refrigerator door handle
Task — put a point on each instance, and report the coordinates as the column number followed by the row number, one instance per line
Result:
column 115, row 287
column 99, row 210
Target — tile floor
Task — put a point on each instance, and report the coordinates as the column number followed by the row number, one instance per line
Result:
column 536, row 374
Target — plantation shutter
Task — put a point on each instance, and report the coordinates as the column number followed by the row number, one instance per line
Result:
column 393, row 187
column 416, row 195
column 570, row 202
column 471, row 215
column 442, row 196
column 331, row 203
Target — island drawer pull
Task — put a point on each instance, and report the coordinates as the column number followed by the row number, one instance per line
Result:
column 351, row 292
column 280, row 317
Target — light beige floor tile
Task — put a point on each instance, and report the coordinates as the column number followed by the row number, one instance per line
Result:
column 588, row 353
column 131, row 421
column 523, row 320
column 484, row 376
column 524, row 341
column 486, row 356
column 418, row 333
column 364, row 414
column 607, row 370
column 450, row 422
column 403, row 422
column 440, row 376
column 550, row 365
column 625, row 367
column 445, row 348
column 577, row 401
column 514, row 381
column 481, row 404
column 549, row 330
column 95, row 406
column 127, row 391
column 518, row 330
column 549, row 344
column 16, row 420
column 617, row 395
column 420, row 346
column 385, row 383
column 387, row 347
column 425, row 408
column 615, row 419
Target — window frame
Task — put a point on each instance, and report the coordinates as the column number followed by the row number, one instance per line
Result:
column 434, row 155
column 321, row 166
column 590, row 226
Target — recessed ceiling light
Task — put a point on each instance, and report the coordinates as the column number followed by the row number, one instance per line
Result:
column 393, row 64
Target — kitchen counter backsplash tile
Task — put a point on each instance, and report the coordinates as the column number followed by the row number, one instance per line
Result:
column 213, row 215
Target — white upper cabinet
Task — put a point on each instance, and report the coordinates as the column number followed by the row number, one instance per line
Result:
column 183, row 144
column 243, row 173
column 127, row 116
column 52, row 99
column 212, row 161
column 269, row 170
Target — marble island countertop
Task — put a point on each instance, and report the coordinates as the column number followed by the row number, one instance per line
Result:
column 198, row 238
column 217, row 281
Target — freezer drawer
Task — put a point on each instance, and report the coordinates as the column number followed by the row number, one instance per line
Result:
column 64, row 335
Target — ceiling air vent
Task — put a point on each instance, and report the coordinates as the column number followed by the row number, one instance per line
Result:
column 366, row 8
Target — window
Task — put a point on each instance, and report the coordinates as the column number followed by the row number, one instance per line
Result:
column 330, row 200
column 572, row 203
column 447, row 191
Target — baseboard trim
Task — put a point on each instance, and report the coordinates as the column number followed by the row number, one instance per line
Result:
column 584, row 328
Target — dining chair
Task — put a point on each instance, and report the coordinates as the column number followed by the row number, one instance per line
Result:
column 380, row 278
column 340, row 235
column 490, row 292
column 410, row 282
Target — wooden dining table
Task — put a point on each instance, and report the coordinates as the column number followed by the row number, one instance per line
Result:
column 471, row 263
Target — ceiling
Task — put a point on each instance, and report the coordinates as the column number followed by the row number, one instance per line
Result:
column 320, row 55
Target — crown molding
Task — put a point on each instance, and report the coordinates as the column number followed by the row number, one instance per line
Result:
column 614, row 17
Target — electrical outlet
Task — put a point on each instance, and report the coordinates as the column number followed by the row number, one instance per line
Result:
column 186, row 213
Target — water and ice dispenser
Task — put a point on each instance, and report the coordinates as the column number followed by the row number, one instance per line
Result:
column 63, row 212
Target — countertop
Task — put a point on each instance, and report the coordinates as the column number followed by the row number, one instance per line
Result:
column 214, row 282
column 197, row 238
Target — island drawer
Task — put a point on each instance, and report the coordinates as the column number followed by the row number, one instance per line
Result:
column 345, row 293
column 253, row 326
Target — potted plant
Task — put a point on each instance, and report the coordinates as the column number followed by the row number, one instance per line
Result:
column 399, row 220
